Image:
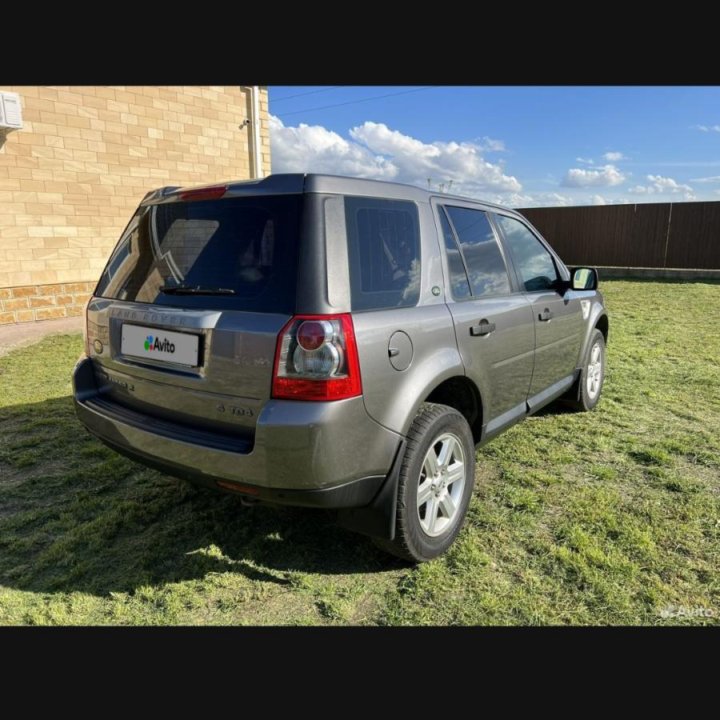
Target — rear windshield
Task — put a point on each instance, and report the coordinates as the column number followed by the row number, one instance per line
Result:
column 234, row 253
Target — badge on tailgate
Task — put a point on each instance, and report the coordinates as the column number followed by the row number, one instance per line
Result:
column 160, row 345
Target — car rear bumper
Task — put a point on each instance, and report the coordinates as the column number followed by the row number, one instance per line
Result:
column 304, row 453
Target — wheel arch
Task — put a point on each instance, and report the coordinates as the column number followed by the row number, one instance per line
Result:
column 603, row 325
column 462, row 394
column 598, row 320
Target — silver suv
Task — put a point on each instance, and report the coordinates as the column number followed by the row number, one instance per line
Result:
column 334, row 342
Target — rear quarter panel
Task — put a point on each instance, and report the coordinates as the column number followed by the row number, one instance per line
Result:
column 392, row 397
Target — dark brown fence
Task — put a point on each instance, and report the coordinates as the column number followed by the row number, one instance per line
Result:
column 653, row 235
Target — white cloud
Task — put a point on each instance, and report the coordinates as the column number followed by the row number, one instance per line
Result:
column 376, row 151
column 707, row 128
column 417, row 161
column 712, row 179
column 667, row 184
column 660, row 185
column 313, row 148
column 603, row 176
column 604, row 200
column 609, row 157
column 542, row 199
column 489, row 144
column 552, row 199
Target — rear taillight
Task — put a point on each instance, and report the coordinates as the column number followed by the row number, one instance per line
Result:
column 317, row 359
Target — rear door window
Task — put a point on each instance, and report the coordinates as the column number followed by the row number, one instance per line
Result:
column 483, row 259
column 459, row 283
column 383, row 252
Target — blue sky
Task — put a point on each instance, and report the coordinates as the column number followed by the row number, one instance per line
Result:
column 522, row 146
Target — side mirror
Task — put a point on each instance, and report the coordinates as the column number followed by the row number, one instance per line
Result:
column 584, row 278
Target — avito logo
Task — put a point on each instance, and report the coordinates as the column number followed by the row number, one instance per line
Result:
column 156, row 343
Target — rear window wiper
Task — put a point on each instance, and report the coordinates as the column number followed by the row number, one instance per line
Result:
column 195, row 290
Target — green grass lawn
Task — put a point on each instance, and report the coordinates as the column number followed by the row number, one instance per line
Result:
column 608, row 517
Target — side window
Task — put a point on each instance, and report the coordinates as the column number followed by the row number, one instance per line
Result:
column 533, row 262
column 384, row 252
column 459, row 283
column 483, row 259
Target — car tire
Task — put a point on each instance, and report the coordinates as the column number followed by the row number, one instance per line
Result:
column 585, row 393
column 431, row 508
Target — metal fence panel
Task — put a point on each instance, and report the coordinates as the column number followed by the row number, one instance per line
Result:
column 654, row 235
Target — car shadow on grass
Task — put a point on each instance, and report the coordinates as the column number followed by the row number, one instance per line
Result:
column 76, row 516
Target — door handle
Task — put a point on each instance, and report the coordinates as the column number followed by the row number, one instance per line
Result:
column 545, row 315
column 482, row 328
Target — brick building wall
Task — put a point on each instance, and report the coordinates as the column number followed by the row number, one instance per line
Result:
column 86, row 156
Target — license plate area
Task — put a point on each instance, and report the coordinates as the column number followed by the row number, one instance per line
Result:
column 165, row 347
